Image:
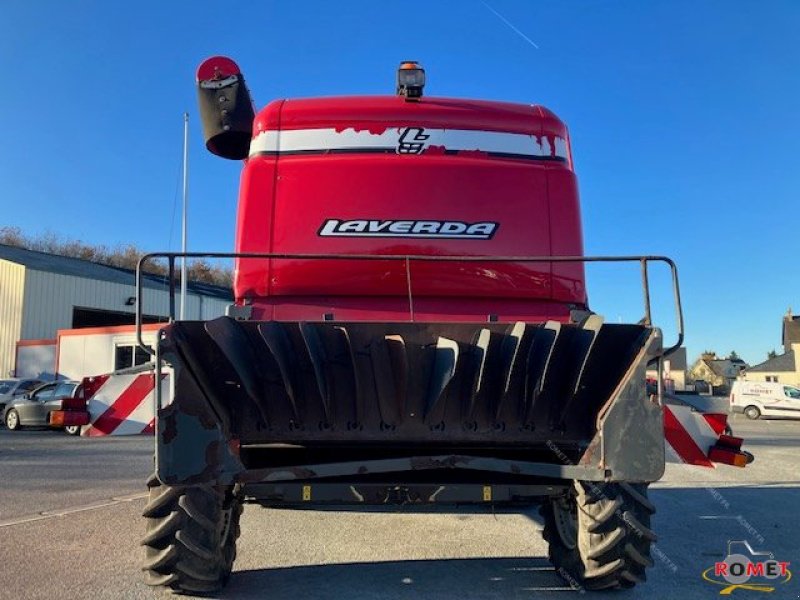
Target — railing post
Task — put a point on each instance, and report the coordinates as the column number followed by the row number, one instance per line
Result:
column 646, row 289
column 676, row 291
column 140, row 303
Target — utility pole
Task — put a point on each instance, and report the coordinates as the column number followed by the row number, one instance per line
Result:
column 184, row 278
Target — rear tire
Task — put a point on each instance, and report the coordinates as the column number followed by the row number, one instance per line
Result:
column 190, row 544
column 752, row 412
column 599, row 534
column 72, row 429
column 12, row 420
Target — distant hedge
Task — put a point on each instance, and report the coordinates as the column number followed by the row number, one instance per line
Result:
column 124, row 256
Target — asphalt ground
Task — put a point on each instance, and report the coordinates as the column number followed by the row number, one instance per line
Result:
column 70, row 526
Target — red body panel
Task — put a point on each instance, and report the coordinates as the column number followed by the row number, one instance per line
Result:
column 504, row 167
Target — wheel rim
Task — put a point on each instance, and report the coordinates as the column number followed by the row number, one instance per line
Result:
column 565, row 512
column 752, row 413
column 11, row 420
column 71, row 429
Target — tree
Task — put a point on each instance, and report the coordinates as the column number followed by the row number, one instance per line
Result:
column 733, row 355
column 124, row 256
column 771, row 354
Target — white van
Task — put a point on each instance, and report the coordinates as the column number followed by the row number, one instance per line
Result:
column 765, row 399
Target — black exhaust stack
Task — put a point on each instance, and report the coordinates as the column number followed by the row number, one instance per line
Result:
column 226, row 108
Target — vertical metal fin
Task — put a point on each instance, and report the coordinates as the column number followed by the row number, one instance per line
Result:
column 538, row 363
column 591, row 325
column 511, row 364
column 232, row 340
column 358, row 401
column 279, row 346
column 390, row 372
column 479, row 383
column 444, row 367
column 318, row 356
column 398, row 357
column 580, row 350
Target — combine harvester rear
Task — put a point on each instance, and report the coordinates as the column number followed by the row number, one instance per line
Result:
column 410, row 327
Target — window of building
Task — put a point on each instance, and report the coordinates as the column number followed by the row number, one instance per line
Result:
column 771, row 378
column 129, row 355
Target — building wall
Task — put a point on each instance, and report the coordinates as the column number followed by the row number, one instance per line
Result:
column 12, row 294
column 50, row 298
column 787, row 377
column 676, row 377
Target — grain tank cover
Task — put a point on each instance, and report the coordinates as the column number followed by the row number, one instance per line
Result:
column 381, row 175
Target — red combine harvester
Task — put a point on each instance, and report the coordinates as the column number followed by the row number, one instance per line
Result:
column 410, row 327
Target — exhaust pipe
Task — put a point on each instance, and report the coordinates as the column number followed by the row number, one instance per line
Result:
column 226, row 108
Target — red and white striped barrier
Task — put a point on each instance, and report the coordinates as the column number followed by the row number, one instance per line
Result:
column 698, row 438
column 690, row 434
column 122, row 403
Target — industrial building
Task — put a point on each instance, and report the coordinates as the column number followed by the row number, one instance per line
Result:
column 42, row 293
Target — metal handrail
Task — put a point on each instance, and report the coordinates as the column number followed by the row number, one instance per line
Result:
column 407, row 259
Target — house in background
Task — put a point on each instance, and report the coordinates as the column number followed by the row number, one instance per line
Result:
column 783, row 368
column 674, row 371
column 718, row 373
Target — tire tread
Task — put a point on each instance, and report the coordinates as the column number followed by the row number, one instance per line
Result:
column 184, row 549
column 614, row 536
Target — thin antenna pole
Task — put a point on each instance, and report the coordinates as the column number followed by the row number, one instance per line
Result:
column 184, row 278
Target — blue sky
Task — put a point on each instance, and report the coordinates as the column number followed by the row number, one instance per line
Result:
column 683, row 114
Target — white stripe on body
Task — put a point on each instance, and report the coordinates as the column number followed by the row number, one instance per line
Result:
column 306, row 140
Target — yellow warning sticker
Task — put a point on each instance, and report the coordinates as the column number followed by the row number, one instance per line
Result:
column 306, row 493
column 487, row 493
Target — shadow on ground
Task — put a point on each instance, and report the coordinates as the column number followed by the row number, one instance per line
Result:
column 694, row 525
column 507, row 578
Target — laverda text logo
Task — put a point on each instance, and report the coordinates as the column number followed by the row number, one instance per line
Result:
column 409, row 229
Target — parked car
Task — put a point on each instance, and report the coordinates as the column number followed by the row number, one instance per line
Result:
column 765, row 399
column 34, row 408
column 11, row 388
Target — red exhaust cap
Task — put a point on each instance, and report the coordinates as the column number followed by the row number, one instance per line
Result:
column 217, row 67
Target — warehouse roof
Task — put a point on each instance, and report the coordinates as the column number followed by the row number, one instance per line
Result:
column 77, row 267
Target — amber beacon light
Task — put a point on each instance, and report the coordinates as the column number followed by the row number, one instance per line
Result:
column 410, row 80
